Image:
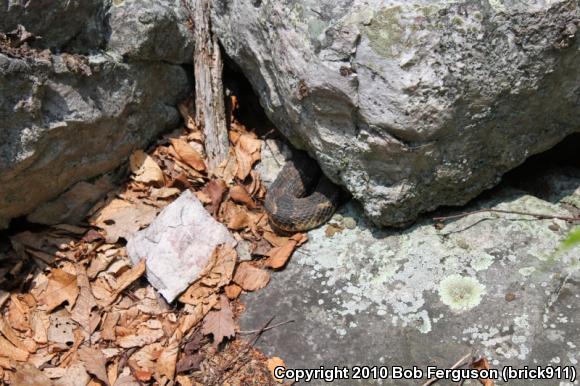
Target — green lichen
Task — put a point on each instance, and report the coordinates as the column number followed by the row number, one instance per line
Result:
column 385, row 32
column 526, row 271
column 461, row 293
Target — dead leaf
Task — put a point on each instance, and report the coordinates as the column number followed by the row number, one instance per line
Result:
column 94, row 362
column 39, row 324
column 188, row 154
column 82, row 311
column 215, row 190
column 251, row 278
column 28, row 375
column 232, row 291
column 23, row 344
column 235, row 216
column 121, row 218
column 239, row 194
column 272, row 363
column 278, row 256
column 332, row 229
column 144, row 168
column 125, row 280
column 108, row 327
column 217, row 273
column 75, row 375
column 145, row 334
column 247, row 153
column 220, row 323
column 482, row 364
column 189, row 362
column 10, row 351
column 62, row 287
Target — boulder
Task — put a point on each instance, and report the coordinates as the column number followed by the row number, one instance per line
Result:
column 67, row 118
column 411, row 105
column 99, row 80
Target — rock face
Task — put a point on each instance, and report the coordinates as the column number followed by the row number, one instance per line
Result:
column 74, row 111
column 411, row 104
column 494, row 285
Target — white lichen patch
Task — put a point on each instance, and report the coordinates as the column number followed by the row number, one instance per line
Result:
column 482, row 261
column 461, row 293
column 526, row 271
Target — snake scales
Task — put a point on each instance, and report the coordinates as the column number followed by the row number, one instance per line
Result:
column 301, row 197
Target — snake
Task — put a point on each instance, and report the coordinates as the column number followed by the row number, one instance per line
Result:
column 301, row 197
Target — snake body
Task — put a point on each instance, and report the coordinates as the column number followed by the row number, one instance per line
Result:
column 301, row 197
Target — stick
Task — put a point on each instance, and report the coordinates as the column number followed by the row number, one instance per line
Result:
column 209, row 93
column 457, row 364
column 265, row 329
column 540, row 216
column 244, row 352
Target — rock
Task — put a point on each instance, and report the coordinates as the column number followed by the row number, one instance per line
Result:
column 178, row 244
column 491, row 283
column 411, row 104
column 67, row 118
column 155, row 32
column 73, row 25
column 71, row 206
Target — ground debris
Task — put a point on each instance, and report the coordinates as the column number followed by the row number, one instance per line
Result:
column 77, row 309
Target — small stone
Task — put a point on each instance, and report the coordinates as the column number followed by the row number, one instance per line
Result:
column 349, row 222
column 554, row 227
column 510, row 297
column 337, row 218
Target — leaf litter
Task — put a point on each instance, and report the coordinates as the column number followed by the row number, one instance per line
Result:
column 77, row 312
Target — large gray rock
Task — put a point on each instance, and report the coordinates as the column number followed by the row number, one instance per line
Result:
column 411, row 104
column 490, row 284
column 72, row 25
column 68, row 118
column 155, row 30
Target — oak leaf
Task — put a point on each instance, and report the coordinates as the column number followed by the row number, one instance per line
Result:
column 62, row 287
column 220, row 323
column 251, row 278
column 247, row 153
column 215, row 190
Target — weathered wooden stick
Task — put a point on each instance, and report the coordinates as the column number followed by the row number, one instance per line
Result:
column 209, row 94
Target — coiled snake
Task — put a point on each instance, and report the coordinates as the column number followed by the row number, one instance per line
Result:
column 301, row 197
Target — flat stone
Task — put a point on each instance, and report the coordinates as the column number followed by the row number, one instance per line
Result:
column 488, row 283
column 178, row 245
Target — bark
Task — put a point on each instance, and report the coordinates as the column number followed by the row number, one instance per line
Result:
column 209, row 94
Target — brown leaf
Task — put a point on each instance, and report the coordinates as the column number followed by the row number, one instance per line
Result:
column 95, row 363
column 217, row 273
column 126, row 279
column 247, row 153
column 28, row 375
column 215, row 190
column 120, row 218
column 62, row 287
column 144, row 334
column 482, row 364
column 144, row 168
column 236, row 216
column 189, row 362
column 220, row 323
column 188, row 154
column 232, row 291
column 10, row 351
column 6, row 330
column 82, row 311
column 108, row 327
column 278, row 256
column 332, row 229
column 251, row 278
column 239, row 194
column 272, row 363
